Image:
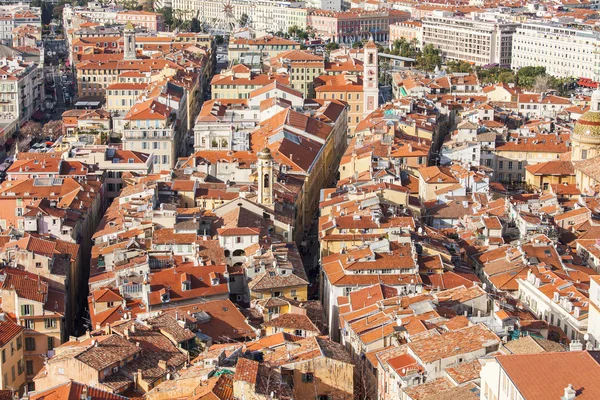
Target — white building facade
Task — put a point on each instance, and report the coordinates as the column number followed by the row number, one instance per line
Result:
column 564, row 52
column 475, row 40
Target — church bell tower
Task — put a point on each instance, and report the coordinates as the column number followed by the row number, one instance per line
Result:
column 265, row 177
column 370, row 78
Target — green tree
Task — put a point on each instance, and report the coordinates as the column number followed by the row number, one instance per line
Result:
column 429, row 58
column 195, row 25
column 244, row 20
column 167, row 13
column 403, row 48
column 459, row 66
column 219, row 40
column 527, row 75
column 358, row 45
column 507, row 77
column 297, row 33
column 332, row 46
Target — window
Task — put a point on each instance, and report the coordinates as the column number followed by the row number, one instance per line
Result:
column 29, row 344
column 50, row 342
column 501, row 164
column 583, row 154
column 3, row 356
column 21, row 367
column 19, row 342
column 293, row 292
column 29, row 367
column 510, row 165
column 308, row 377
column 29, row 324
column 5, row 377
column 49, row 323
column 12, row 373
column 238, row 239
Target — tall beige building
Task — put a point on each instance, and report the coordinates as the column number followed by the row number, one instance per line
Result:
column 477, row 40
column 12, row 374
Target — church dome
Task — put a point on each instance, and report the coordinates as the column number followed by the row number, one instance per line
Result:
column 587, row 126
column 265, row 154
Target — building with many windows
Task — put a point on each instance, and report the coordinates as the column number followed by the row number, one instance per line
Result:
column 477, row 40
column 563, row 51
column 263, row 15
column 150, row 127
column 354, row 25
column 11, row 348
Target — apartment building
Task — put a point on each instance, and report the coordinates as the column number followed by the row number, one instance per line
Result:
column 238, row 81
column 475, row 40
column 150, row 20
column 16, row 15
column 93, row 77
column 150, row 127
column 39, row 311
column 407, row 30
column 21, row 89
column 348, row 88
column 558, row 375
column 557, row 301
column 11, row 349
column 515, row 154
column 114, row 162
column 355, row 24
column 263, row 15
column 130, row 355
column 267, row 46
column 302, row 67
column 563, row 51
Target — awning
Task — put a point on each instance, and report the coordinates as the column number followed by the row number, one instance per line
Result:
column 586, row 82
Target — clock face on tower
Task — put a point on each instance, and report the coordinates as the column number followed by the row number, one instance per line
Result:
column 371, row 72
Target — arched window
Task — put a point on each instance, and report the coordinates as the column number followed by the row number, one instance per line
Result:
column 239, row 253
column 371, row 58
column 266, row 181
column 227, row 252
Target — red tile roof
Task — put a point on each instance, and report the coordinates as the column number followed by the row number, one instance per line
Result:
column 27, row 285
column 8, row 330
column 74, row 391
column 546, row 375
column 246, row 371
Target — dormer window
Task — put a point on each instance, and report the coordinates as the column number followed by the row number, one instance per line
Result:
column 165, row 297
column 214, row 279
column 186, row 282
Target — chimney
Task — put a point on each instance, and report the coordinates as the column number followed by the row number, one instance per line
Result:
column 570, row 393
column 575, row 345
column 162, row 364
